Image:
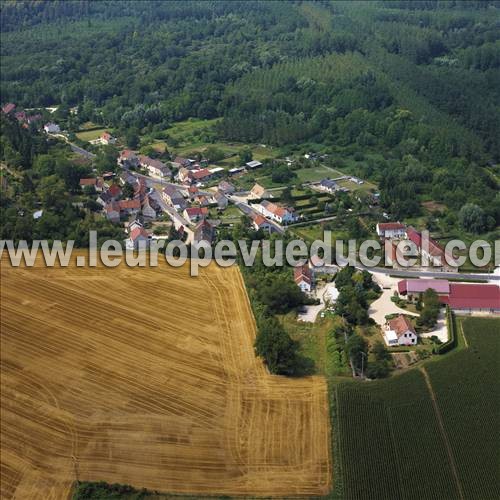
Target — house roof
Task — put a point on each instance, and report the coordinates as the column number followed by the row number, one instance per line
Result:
column 127, row 154
column 275, row 209
column 199, row 174
column 260, row 220
column 390, row 226
column 106, row 136
column 181, row 161
column 435, row 249
column 196, row 211
column 152, row 162
column 329, row 183
column 220, row 196
column 170, row 190
column 8, row 108
column 226, row 186
column 253, row 164
column 400, row 325
column 138, row 232
column 473, row 296
column 113, row 206
column 129, row 204
column 258, row 190
column 114, row 190
column 316, row 260
column 204, row 231
column 421, row 285
column 91, row 181
column 302, row 273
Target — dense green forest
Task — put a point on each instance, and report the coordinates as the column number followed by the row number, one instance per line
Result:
column 417, row 83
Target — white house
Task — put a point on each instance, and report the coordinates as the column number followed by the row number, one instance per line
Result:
column 399, row 331
column 303, row 277
column 52, row 128
column 391, row 230
column 328, row 185
column 275, row 212
column 154, row 167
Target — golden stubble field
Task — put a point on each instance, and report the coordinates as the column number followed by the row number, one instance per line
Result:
column 148, row 377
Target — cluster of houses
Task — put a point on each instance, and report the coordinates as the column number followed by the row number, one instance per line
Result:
column 26, row 119
column 429, row 250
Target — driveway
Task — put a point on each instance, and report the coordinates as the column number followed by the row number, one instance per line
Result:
column 441, row 329
column 383, row 305
column 327, row 294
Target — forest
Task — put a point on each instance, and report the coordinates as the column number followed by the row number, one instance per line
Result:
column 416, row 83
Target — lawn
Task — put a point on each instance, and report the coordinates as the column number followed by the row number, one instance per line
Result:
column 195, row 136
column 316, row 173
column 318, row 344
column 90, row 135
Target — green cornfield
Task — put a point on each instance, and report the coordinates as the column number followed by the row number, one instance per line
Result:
column 467, row 388
column 389, row 438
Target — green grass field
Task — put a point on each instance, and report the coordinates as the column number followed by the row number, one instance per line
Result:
column 194, row 135
column 90, row 135
column 389, row 437
column 317, row 173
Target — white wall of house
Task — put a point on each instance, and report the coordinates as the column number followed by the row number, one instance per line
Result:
column 304, row 286
column 408, row 338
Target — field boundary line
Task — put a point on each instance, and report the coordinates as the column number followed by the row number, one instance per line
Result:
column 439, row 417
column 463, row 334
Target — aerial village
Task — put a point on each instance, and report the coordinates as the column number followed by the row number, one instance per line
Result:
column 193, row 198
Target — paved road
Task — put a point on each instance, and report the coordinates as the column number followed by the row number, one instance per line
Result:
column 177, row 219
column 81, row 151
column 74, row 147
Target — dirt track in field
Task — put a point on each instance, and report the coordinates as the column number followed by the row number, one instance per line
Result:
column 148, row 377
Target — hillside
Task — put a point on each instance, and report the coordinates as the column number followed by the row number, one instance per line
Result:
column 415, row 84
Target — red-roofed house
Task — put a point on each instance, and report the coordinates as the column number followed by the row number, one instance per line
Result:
column 303, row 277
column 128, row 159
column 194, row 214
column 204, row 231
column 389, row 230
column 114, row 191
column 91, row 181
column 8, row 108
column 139, row 238
column 107, row 138
column 112, row 211
column 260, row 222
column 399, row 331
column 199, row 175
column 130, row 206
column 276, row 212
column 431, row 250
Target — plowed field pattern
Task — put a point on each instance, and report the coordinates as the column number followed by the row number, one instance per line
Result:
column 148, row 377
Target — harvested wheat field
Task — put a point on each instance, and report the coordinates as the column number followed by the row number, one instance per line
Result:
column 148, row 377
